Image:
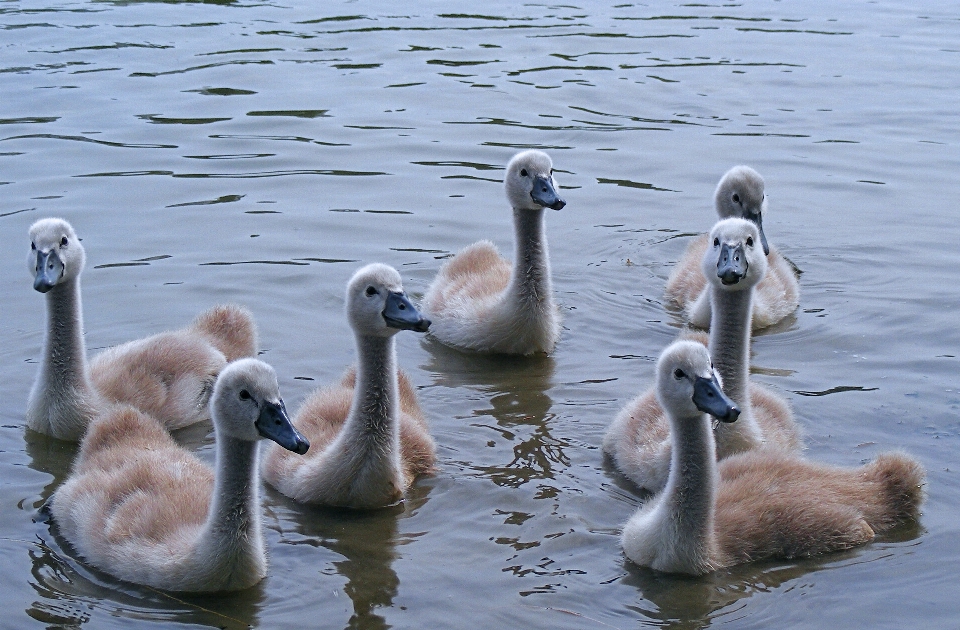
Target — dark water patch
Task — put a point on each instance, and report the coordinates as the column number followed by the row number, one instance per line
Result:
column 413, row 48
column 388, row 211
column 48, row 197
column 790, row 30
column 470, row 16
column 163, row 120
column 329, row 260
column 516, row 73
column 255, row 137
column 29, row 120
column 661, row 79
column 458, row 64
column 708, row 64
column 51, row 136
column 252, row 175
column 240, row 51
column 17, row 27
column 401, row 85
column 693, row 17
column 153, row 258
column 235, row 62
column 418, row 250
column 10, row 214
column 757, row 134
column 222, row 92
column 837, row 390
column 378, row 128
column 869, row 181
column 262, row 212
column 626, row 183
column 527, row 145
column 472, row 177
column 117, row 45
column 126, row 264
column 255, row 262
column 336, row 18
column 473, row 165
column 631, row 357
column 208, row 202
column 91, row 71
column 836, row 142
column 618, row 35
column 10, row 153
column 293, row 113
column 654, row 121
column 230, row 156
column 356, row 66
column 587, row 126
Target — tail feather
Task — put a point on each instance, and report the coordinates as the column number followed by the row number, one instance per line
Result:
column 900, row 480
column 230, row 329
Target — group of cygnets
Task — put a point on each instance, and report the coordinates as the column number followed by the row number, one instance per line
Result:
column 143, row 508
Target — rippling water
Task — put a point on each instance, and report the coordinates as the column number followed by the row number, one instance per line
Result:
column 261, row 152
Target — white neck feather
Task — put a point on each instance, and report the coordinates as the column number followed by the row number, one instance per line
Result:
column 62, row 400
column 530, row 284
column 730, row 353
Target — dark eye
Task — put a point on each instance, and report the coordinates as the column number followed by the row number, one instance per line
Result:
column 716, row 242
column 63, row 242
column 749, row 241
column 523, row 172
column 736, row 198
column 244, row 395
column 551, row 172
column 678, row 374
column 371, row 291
column 33, row 246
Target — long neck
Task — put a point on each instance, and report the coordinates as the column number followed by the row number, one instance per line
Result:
column 730, row 341
column 373, row 415
column 690, row 492
column 231, row 538
column 730, row 353
column 62, row 400
column 531, row 270
column 65, row 359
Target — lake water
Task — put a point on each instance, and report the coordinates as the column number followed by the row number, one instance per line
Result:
column 260, row 152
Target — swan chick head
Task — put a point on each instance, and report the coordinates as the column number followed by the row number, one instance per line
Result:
column 246, row 406
column 740, row 193
column 688, row 386
column 735, row 260
column 377, row 305
column 530, row 184
column 56, row 255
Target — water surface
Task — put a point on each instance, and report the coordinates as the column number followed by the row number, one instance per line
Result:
column 260, row 152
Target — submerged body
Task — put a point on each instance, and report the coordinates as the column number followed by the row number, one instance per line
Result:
column 638, row 441
column 142, row 508
column 760, row 504
column 370, row 438
column 479, row 301
column 169, row 376
column 740, row 193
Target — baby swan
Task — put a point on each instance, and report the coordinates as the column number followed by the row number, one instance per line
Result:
column 638, row 441
column 760, row 504
column 478, row 301
column 370, row 437
column 169, row 376
column 145, row 510
column 740, row 193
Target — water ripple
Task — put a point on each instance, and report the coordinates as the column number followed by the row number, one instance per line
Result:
column 126, row 145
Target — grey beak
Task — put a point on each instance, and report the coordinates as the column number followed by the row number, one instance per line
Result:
column 274, row 424
column 732, row 266
column 758, row 219
column 400, row 313
column 709, row 398
column 49, row 270
column 544, row 194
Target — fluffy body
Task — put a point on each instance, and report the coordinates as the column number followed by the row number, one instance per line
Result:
column 479, row 301
column 370, row 438
column 760, row 504
column 142, row 508
column 777, row 295
column 169, row 376
column 638, row 441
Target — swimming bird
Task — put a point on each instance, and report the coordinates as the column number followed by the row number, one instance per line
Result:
column 740, row 193
column 142, row 508
column 169, row 375
column 760, row 504
column 638, row 441
column 479, row 301
column 370, row 438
